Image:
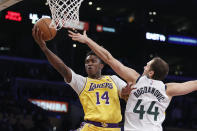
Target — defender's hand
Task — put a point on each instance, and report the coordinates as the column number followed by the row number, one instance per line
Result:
column 78, row 37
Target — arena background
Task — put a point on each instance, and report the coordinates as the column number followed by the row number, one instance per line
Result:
column 134, row 31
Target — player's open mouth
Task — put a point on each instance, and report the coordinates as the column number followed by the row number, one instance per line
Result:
column 89, row 68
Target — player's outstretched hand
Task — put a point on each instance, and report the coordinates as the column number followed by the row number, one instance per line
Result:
column 38, row 37
column 78, row 37
column 126, row 91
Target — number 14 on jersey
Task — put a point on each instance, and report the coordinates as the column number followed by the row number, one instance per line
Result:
column 104, row 97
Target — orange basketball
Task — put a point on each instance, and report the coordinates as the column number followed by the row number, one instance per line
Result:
column 48, row 33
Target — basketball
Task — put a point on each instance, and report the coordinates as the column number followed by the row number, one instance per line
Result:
column 48, row 32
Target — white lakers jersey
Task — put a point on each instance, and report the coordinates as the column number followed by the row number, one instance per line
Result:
column 145, row 110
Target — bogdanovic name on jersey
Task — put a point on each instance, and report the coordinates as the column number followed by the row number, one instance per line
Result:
column 151, row 90
column 103, row 85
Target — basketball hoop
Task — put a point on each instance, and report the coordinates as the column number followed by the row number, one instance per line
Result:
column 65, row 13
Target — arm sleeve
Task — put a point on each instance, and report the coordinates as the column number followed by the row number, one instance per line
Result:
column 77, row 82
column 119, row 82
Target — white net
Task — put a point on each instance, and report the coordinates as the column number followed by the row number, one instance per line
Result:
column 65, row 13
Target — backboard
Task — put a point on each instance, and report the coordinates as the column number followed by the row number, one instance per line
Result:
column 7, row 3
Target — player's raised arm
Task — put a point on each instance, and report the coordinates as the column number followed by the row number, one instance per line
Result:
column 55, row 61
column 126, row 73
column 176, row 89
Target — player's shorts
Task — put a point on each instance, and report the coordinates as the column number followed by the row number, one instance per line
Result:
column 90, row 127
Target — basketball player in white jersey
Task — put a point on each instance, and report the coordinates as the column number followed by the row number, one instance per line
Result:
column 145, row 110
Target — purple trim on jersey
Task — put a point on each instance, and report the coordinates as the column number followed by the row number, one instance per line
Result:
column 104, row 125
column 83, row 86
column 165, row 87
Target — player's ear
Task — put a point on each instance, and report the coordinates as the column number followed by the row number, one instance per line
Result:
column 151, row 73
column 101, row 66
